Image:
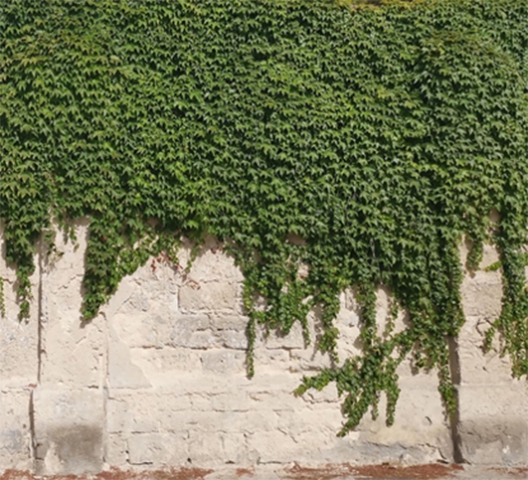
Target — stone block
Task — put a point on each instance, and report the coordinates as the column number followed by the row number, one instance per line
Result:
column 229, row 322
column 476, row 366
column 223, row 362
column 138, row 329
column 349, row 311
column 216, row 449
column 308, row 360
column 493, row 425
column 232, row 339
column 73, row 352
column 116, row 451
column 69, row 429
column 420, row 421
column 158, row 449
column 202, row 341
column 262, row 420
column 18, row 339
column 230, row 402
column 482, row 295
column 269, row 360
column 147, row 411
column 212, row 264
column 122, row 371
column 274, row 446
column 294, row 339
column 209, row 297
column 15, row 435
column 18, row 350
column 164, row 367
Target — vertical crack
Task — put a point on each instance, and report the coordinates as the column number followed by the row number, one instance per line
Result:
column 40, row 310
column 40, row 314
column 454, row 419
column 33, row 445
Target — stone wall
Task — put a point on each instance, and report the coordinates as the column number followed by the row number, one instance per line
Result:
column 158, row 379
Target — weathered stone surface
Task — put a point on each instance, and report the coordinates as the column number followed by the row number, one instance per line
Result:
column 493, row 424
column 223, row 361
column 72, row 353
column 218, row 296
column 18, row 339
column 69, row 430
column 493, row 407
column 15, row 434
column 157, row 449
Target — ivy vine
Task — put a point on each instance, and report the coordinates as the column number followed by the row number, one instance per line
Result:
column 380, row 135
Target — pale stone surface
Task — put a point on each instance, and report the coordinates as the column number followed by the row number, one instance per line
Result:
column 493, row 408
column 69, row 430
column 73, row 353
column 15, row 434
column 18, row 339
column 158, row 379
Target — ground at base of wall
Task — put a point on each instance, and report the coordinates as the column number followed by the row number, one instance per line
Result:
column 298, row 472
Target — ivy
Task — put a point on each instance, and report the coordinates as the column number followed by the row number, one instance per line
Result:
column 361, row 141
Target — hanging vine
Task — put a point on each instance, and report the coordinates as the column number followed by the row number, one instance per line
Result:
column 379, row 134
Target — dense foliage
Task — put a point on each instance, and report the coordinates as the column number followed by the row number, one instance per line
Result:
column 364, row 142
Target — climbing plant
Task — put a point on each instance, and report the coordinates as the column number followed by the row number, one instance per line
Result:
column 363, row 141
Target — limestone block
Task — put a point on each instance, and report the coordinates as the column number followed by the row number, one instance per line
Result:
column 271, row 360
column 308, row 360
column 223, row 362
column 493, row 407
column 362, row 452
column 265, row 420
column 147, row 411
column 208, row 422
column 273, row 390
column 158, row 449
column 477, row 367
column 482, row 294
column 73, row 353
column 140, row 329
column 274, row 446
column 164, row 367
column 217, row 449
column 116, row 451
column 153, row 287
column 18, row 349
column 191, row 331
column 69, row 429
column 416, row 379
column 15, row 435
column 229, row 402
column 420, row 422
column 183, row 326
column 209, row 297
column 232, row 339
column 326, row 395
column 323, row 422
column 223, row 401
column 18, row 340
column 294, row 339
column 212, row 264
column 493, row 424
column 229, row 322
column 349, row 312
column 122, row 371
